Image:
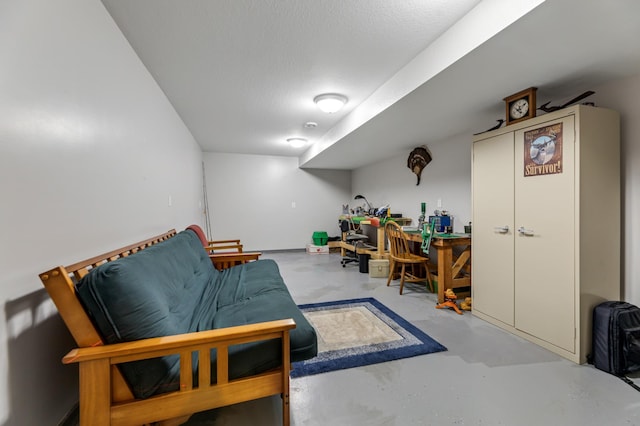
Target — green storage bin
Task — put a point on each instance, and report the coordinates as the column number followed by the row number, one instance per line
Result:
column 320, row 238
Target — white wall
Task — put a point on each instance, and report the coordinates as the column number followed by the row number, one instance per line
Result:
column 250, row 197
column 446, row 178
column 90, row 150
column 624, row 96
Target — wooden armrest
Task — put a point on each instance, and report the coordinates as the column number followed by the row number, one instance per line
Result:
column 227, row 260
column 160, row 346
column 237, row 247
column 218, row 245
column 224, row 242
column 239, row 256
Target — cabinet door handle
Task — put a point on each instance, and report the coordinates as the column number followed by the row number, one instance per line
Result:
column 501, row 229
column 526, row 232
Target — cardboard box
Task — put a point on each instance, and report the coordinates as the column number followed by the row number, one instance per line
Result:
column 313, row 249
column 379, row 268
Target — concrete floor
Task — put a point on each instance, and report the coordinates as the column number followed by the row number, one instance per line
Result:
column 487, row 376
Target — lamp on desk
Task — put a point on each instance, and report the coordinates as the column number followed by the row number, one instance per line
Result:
column 361, row 197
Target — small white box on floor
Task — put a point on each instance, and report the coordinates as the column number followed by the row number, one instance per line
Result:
column 312, row 249
column 379, row 268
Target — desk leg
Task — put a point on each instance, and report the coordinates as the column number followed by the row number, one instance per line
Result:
column 462, row 260
column 343, row 252
column 445, row 260
column 380, row 236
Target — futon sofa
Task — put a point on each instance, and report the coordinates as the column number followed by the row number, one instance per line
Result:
column 243, row 317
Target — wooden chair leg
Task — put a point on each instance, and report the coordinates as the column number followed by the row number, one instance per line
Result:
column 392, row 271
column 402, row 278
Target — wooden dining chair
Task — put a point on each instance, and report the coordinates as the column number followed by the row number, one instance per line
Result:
column 401, row 255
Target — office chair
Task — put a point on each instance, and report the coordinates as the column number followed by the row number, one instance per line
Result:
column 353, row 239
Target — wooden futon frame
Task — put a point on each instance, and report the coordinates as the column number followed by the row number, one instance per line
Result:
column 105, row 397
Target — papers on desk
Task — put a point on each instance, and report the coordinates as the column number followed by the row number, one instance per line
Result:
column 411, row 229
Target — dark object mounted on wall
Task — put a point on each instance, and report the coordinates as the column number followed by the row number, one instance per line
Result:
column 497, row 126
column 578, row 98
column 418, row 160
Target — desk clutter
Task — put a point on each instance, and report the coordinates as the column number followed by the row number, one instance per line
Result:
column 443, row 223
column 368, row 211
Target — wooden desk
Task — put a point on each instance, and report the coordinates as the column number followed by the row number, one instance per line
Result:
column 454, row 271
column 380, row 251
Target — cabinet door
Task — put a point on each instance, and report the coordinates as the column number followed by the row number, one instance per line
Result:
column 493, row 257
column 545, row 232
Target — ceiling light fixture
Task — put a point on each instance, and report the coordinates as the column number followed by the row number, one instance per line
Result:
column 297, row 142
column 330, row 102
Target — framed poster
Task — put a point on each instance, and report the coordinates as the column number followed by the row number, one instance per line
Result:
column 543, row 151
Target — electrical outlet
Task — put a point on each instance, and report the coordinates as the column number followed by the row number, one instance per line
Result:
column 293, row 204
column 439, row 203
column 170, row 201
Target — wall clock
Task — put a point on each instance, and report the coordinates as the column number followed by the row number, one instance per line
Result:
column 521, row 106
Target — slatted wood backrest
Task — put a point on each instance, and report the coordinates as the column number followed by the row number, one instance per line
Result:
column 60, row 284
column 398, row 244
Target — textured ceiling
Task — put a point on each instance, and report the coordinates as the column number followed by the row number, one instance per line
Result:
column 242, row 74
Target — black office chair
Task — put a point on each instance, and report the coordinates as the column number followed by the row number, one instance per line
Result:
column 352, row 238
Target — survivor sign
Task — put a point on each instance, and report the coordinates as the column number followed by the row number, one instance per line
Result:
column 543, row 151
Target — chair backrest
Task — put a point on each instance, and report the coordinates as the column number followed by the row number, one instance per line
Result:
column 398, row 243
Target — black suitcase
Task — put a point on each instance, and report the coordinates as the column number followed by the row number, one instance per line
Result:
column 616, row 338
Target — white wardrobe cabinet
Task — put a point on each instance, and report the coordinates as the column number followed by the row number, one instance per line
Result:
column 546, row 226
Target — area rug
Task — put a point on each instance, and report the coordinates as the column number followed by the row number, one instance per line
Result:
column 357, row 332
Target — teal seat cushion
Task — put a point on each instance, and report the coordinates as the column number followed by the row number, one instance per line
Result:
column 172, row 288
column 251, row 293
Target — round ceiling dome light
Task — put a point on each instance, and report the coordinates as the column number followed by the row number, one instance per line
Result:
column 297, row 142
column 330, row 102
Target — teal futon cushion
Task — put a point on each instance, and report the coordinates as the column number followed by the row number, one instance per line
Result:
column 173, row 288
